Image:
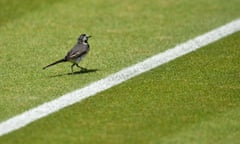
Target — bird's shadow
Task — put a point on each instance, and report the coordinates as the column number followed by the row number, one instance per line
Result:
column 77, row 72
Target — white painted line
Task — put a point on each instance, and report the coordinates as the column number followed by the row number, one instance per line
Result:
column 47, row 108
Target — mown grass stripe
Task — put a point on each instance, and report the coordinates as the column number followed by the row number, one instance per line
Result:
column 47, row 108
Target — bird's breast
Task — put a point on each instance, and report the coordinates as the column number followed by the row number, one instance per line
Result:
column 78, row 59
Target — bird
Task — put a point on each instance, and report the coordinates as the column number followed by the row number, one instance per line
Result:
column 76, row 54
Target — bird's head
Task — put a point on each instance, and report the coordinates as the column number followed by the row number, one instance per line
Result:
column 83, row 38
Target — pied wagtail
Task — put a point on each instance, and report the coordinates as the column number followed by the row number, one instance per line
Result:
column 76, row 54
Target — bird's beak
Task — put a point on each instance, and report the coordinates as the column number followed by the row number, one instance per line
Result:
column 89, row 36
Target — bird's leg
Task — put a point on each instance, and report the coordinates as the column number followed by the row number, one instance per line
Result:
column 72, row 67
column 82, row 68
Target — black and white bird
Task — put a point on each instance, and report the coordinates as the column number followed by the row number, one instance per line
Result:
column 76, row 54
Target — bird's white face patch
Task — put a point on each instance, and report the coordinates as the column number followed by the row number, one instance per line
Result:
column 85, row 39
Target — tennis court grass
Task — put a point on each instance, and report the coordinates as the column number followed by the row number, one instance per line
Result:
column 124, row 32
column 193, row 99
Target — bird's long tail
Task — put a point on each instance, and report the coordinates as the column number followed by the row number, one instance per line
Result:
column 56, row 62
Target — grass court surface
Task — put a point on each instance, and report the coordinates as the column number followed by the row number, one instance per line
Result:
column 192, row 99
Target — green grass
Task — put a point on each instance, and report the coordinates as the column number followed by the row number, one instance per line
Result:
column 124, row 32
column 15, row 9
column 194, row 99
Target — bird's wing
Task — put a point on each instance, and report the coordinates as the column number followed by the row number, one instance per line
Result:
column 77, row 51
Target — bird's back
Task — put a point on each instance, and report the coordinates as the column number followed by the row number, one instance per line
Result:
column 77, row 52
